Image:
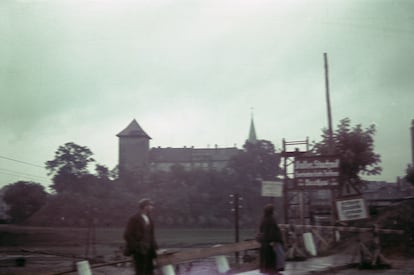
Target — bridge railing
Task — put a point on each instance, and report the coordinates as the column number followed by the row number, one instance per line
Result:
column 168, row 259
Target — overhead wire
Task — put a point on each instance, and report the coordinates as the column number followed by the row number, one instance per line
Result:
column 20, row 161
column 22, row 173
column 19, row 174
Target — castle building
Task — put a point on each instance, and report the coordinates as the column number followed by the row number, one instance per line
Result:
column 133, row 149
column 135, row 154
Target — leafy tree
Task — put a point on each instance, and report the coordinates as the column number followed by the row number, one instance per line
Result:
column 258, row 160
column 70, row 163
column 102, row 172
column 70, row 158
column 355, row 148
column 410, row 174
column 114, row 173
column 24, row 198
column 135, row 180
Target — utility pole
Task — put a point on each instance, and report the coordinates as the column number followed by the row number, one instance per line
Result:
column 330, row 132
column 328, row 104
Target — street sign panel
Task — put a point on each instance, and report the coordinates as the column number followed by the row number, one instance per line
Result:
column 316, row 171
column 272, row 189
column 351, row 209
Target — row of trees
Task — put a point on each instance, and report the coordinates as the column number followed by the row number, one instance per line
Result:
column 186, row 198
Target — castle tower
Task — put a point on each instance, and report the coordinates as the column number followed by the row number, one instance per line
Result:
column 133, row 149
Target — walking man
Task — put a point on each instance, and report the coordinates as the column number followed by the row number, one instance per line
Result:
column 140, row 239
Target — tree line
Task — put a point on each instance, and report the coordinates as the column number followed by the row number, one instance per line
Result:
column 81, row 197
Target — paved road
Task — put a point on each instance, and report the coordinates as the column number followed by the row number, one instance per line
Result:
column 312, row 266
column 318, row 265
column 335, row 264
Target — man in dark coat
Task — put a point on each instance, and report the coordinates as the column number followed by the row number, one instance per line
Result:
column 140, row 239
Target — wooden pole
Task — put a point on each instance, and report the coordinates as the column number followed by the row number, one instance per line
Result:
column 301, row 214
column 330, row 132
column 235, row 208
column 236, row 223
column 328, row 104
column 285, row 185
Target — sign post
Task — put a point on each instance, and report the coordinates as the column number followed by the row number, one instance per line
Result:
column 272, row 188
column 316, row 171
column 351, row 209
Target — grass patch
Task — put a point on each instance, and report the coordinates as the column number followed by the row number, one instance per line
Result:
column 74, row 241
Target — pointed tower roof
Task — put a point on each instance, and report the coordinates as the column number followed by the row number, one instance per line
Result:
column 252, row 132
column 133, row 130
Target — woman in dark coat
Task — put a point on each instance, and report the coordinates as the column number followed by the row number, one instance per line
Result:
column 269, row 235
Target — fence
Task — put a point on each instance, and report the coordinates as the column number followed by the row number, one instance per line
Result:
column 167, row 260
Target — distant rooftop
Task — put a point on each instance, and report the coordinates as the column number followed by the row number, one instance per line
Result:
column 189, row 154
column 133, row 130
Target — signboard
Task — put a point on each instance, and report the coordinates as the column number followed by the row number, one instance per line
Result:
column 351, row 209
column 316, row 171
column 272, row 189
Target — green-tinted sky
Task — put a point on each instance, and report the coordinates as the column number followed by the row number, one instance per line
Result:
column 190, row 72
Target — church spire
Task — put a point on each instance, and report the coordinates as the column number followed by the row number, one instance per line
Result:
column 252, row 132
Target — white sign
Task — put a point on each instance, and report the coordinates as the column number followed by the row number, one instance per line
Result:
column 351, row 209
column 272, row 189
column 316, row 171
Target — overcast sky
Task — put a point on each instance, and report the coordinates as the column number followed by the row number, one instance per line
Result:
column 191, row 71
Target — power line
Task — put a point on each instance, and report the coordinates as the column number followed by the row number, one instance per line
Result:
column 17, row 173
column 24, row 162
column 18, row 176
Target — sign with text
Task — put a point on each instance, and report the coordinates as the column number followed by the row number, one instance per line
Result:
column 316, row 171
column 272, row 189
column 351, row 209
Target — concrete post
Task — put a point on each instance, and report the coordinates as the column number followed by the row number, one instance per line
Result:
column 309, row 243
column 168, row 270
column 222, row 264
column 83, row 268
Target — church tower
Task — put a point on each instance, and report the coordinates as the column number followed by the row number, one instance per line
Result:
column 133, row 149
column 252, row 132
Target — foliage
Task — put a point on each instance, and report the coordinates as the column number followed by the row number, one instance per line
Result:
column 103, row 173
column 258, row 160
column 410, row 174
column 24, row 198
column 355, row 148
column 107, row 206
column 69, row 165
column 183, row 197
column 70, row 158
